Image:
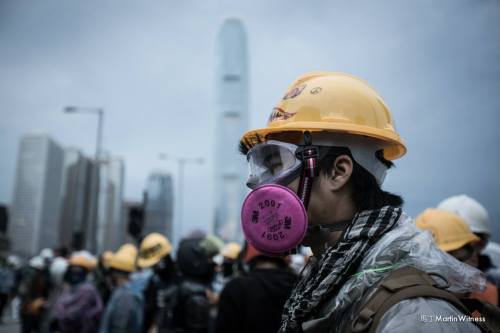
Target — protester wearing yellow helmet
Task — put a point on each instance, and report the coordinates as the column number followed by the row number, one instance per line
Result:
column 124, row 311
column 154, row 247
column 82, row 260
column 231, row 251
column 453, row 235
column 227, row 265
column 78, row 307
column 450, row 232
column 316, row 173
column 155, row 253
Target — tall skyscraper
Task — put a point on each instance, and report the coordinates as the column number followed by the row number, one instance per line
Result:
column 158, row 205
column 75, row 198
column 4, row 239
column 36, row 202
column 232, row 121
column 110, row 220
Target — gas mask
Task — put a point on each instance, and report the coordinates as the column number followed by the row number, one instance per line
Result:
column 274, row 218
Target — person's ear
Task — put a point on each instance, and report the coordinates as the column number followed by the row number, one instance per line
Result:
column 341, row 172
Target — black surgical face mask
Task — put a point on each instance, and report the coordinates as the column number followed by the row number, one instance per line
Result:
column 227, row 268
column 75, row 275
column 165, row 268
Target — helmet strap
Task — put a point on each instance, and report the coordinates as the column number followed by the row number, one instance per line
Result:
column 309, row 156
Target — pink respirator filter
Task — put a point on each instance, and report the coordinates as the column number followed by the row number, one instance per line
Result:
column 273, row 219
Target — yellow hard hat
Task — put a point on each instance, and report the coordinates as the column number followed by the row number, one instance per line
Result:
column 83, row 261
column 124, row 258
column 333, row 103
column 231, row 250
column 106, row 257
column 153, row 247
column 449, row 230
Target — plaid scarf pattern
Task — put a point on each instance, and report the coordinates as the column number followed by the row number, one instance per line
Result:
column 336, row 265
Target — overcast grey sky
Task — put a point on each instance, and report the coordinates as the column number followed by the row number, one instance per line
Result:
column 150, row 64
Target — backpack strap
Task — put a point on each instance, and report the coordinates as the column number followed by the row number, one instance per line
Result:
column 401, row 284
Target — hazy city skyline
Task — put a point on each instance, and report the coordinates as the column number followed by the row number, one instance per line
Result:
column 151, row 67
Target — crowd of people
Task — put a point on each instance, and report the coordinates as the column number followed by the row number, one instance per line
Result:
column 145, row 290
column 209, row 287
column 316, row 175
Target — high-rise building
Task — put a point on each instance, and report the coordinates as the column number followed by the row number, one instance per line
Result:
column 75, row 198
column 158, row 205
column 232, row 121
column 4, row 239
column 110, row 220
column 36, row 201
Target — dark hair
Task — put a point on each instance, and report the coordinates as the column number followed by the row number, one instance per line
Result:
column 366, row 192
column 278, row 261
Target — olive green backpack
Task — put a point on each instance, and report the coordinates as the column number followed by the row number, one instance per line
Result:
column 408, row 282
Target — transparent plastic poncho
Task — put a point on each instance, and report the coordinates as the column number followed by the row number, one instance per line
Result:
column 405, row 245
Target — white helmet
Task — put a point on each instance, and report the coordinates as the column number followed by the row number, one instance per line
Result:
column 470, row 210
column 57, row 269
column 14, row 261
column 47, row 254
column 37, row 262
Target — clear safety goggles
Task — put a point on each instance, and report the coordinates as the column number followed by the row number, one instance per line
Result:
column 272, row 162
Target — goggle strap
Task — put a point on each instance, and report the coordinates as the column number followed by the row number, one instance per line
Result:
column 304, row 190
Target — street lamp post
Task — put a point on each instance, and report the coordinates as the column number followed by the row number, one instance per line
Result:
column 100, row 120
column 90, row 234
column 181, row 164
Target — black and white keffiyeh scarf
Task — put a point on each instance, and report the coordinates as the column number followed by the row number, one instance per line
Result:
column 336, row 265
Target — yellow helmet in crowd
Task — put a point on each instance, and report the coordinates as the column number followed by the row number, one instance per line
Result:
column 106, row 257
column 83, row 261
column 124, row 259
column 231, row 250
column 449, row 230
column 153, row 247
column 333, row 103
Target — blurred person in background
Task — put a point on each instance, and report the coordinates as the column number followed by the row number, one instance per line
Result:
column 34, row 291
column 47, row 256
column 78, row 308
column 453, row 235
column 196, row 298
column 101, row 277
column 124, row 311
column 160, row 295
column 230, row 253
column 254, row 302
column 478, row 220
column 227, row 265
column 14, row 300
column 7, row 284
column 57, row 270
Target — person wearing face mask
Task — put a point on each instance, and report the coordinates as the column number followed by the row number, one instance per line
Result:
column 229, row 253
column 78, row 308
column 124, row 311
column 227, row 265
column 161, row 290
column 316, row 174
